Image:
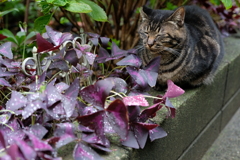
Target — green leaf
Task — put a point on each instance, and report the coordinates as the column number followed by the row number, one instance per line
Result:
column 9, row 35
column 58, row 2
column 30, row 35
column 41, row 22
column 8, row 11
column 78, row 7
column 97, row 13
column 227, row 3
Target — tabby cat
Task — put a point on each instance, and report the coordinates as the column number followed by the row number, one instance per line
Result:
column 188, row 42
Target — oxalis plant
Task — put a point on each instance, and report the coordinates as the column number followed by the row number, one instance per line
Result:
column 68, row 92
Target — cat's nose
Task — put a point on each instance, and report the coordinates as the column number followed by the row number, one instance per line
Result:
column 150, row 42
column 150, row 45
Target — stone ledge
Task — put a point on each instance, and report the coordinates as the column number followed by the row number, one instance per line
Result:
column 201, row 114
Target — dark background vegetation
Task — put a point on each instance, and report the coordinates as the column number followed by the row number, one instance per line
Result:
column 123, row 17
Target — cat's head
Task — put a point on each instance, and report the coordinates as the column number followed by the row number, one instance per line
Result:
column 162, row 31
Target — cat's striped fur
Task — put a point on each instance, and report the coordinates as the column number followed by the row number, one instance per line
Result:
column 188, row 42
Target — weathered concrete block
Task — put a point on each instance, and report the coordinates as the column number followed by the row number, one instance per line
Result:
column 232, row 57
column 230, row 108
column 204, row 140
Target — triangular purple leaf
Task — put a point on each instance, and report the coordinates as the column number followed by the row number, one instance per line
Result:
column 138, row 100
column 173, row 90
column 32, row 107
column 16, row 101
column 38, row 130
column 3, row 82
column 141, row 134
column 95, row 121
column 73, row 89
column 44, row 45
column 104, row 40
column 71, row 57
column 149, row 112
column 117, row 52
column 138, row 76
column 157, row 133
column 27, row 151
column 60, row 64
column 84, row 152
column 5, row 73
column 96, row 94
column 131, row 141
column 90, row 57
column 5, row 49
column 102, row 56
column 153, row 65
column 39, row 145
column 118, row 117
column 131, row 60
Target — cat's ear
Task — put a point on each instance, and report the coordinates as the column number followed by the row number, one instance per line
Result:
column 143, row 13
column 178, row 16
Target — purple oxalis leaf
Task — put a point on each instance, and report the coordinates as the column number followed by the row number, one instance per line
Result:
column 118, row 118
column 170, row 107
column 117, row 52
column 38, row 130
column 73, row 90
column 39, row 145
column 96, row 94
column 57, row 38
column 103, row 55
column 104, row 40
column 95, row 121
column 27, row 151
column 90, row 57
column 44, row 45
column 3, row 82
column 138, row 76
column 59, row 64
column 157, row 133
column 2, row 141
column 149, row 112
column 131, row 60
column 131, row 141
column 141, row 132
column 61, row 87
column 173, row 90
column 153, row 65
column 5, row 49
column 138, row 100
column 5, row 73
column 16, row 101
column 120, row 85
column 71, row 57
column 65, row 132
column 78, row 52
column 14, row 153
column 83, row 151
column 31, row 107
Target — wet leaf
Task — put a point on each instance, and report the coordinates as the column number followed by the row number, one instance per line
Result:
column 102, row 56
column 5, row 50
column 118, row 118
column 173, row 90
column 131, row 60
column 96, row 94
column 3, row 82
column 137, row 100
column 16, row 101
column 83, row 151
